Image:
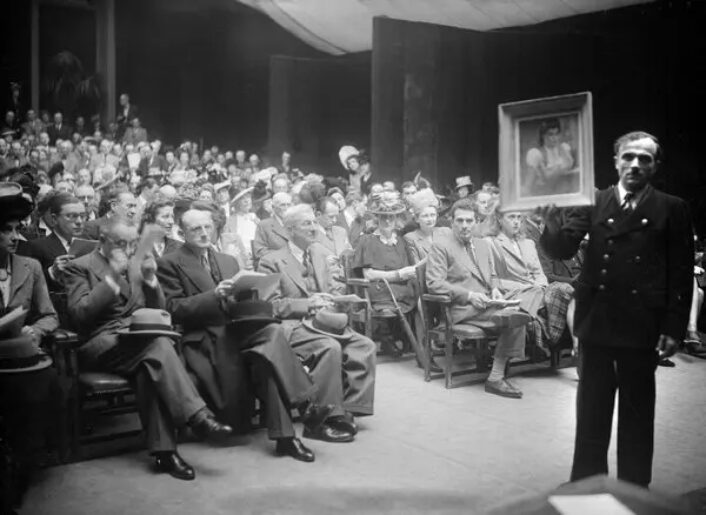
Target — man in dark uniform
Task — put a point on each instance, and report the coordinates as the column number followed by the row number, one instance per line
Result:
column 632, row 305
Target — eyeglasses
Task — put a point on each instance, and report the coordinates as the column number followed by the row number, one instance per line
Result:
column 74, row 216
column 123, row 244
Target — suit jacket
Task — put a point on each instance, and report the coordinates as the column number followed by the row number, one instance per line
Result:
column 451, row 271
column 92, row 229
column 46, row 250
column 55, row 133
column 270, row 235
column 515, row 269
column 637, row 277
column 96, row 310
column 210, row 352
column 29, row 290
column 291, row 298
column 338, row 242
column 419, row 247
column 556, row 270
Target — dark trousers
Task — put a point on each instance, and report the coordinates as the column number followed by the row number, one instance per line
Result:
column 632, row 373
column 277, row 374
column 166, row 396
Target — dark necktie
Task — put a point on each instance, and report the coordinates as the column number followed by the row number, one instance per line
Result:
column 627, row 202
column 205, row 262
column 306, row 263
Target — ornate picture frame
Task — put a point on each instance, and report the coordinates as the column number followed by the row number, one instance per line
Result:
column 546, row 152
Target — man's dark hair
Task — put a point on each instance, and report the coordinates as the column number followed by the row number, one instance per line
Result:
column 634, row 136
column 466, row 204
column 148, row 184
column 59, row 200
column 108, row 199
column 321, row 204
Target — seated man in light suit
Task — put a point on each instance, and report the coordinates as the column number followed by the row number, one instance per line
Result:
column 103, row 292
column 270, row 234
column 306, row 284
column 461, row 266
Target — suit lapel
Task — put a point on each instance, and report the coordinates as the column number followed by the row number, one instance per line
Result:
column 278, row 229
column 20, row 274
column 192, row 269
column 293, row 271
column 638, row 219
column 55, row 247
column 467, row 261
column 510, row 249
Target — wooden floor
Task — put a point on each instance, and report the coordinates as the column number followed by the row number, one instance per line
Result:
column 426, row 450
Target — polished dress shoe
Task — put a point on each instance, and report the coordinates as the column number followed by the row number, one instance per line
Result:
column 344, row 423
column 174, row 465
column 666, row 362
column 313, row 415
column 295, row 448
column 503, row 388
column 327, row 433
column 208, row 428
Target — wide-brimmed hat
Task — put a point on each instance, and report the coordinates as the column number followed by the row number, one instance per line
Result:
column 251, row 311
column 345, row 153
column 387, row 203
column 14, row 204
column 330, row 323
column 464, row 182
column 150, row 322
column 241, row 193
column 19, row 352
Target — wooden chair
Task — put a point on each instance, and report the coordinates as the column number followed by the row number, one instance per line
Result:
column 359, row 315
column 89, row 394
column 442, row 338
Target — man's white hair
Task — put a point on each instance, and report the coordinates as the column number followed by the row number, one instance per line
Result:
column 295, row 214
column 281, row 198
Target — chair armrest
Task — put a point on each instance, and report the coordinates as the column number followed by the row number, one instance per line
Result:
column 358, row 282
column 439, row 299
column 63, row 338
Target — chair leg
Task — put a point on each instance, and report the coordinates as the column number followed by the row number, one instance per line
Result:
column 448, row 354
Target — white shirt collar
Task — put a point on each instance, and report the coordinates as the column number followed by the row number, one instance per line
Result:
column 622, row 192
column 63, row 241
column 296, row 252
column 392, row 241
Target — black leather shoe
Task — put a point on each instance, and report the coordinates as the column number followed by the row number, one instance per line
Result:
column 314, row 415
column 329, row 433
column 344, row 423
column 208, row 428
column 295, row 448
column 666, row 362
column 174, row 465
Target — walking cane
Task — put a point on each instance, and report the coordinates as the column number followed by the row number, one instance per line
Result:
column 406, row 329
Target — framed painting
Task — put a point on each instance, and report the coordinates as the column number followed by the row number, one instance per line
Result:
column 546, row 152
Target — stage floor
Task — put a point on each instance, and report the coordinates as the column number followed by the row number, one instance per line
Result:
column 426, row 450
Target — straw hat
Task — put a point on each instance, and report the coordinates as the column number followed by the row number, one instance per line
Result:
column 464, row 182
column 387, row 203
column 241, row 193
column 345, row 153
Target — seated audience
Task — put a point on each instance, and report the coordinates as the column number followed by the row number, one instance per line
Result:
column 331, row 236
column 342, row 363
column 227, row 357
column 424, row 205
column 381, row 257
column 270, row 233
column 160, row 211
column 105, row 288
column 461, row 265
column 117, row 204
column 30, row 393
column 520, row 276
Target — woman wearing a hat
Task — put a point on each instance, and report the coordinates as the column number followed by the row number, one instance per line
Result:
column 382, row 256
column 30, row 396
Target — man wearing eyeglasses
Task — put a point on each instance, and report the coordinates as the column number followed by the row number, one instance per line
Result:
column 632, row 305
column 54, row 251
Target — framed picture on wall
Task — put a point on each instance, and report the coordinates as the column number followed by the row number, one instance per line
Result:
column 546, row 152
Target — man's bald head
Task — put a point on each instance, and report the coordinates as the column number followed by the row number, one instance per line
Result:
column 198, row 228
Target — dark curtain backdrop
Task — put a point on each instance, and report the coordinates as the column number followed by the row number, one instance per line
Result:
column 436, row 89
column 200, row 70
